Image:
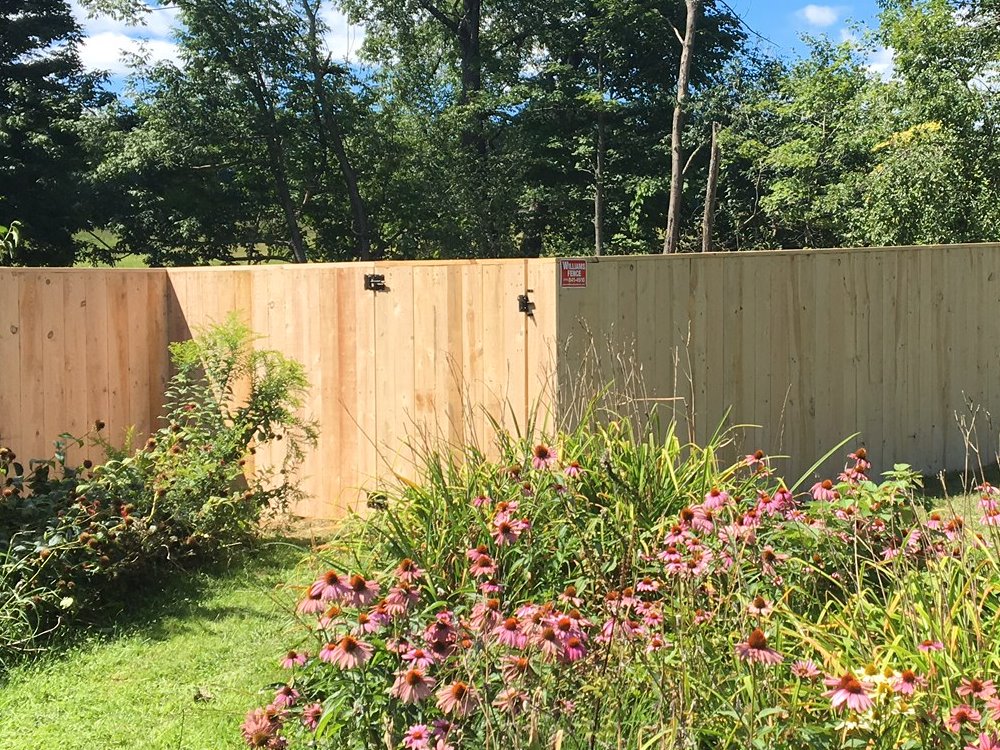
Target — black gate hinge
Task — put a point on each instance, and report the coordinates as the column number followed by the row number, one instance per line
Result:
column 375, row 282
column 524, row 303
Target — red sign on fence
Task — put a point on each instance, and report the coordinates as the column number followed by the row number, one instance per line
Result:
column 573, row 274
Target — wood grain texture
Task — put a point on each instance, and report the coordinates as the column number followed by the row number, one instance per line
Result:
column 894, row 343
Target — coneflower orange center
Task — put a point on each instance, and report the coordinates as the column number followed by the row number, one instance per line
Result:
column 757, row 639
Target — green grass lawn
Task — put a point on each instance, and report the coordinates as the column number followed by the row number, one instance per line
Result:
column 134, row 685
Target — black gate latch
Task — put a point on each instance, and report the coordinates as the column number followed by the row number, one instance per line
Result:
column 375, row 282
column 524, row 304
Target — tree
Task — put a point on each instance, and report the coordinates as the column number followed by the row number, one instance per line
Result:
column 259, row 110
column 676, row 147
column 43, row 94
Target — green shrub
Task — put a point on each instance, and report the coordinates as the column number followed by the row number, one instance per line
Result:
column 69, row 533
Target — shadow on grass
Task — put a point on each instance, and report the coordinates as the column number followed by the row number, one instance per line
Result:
column 178, row 599
column 959, row 483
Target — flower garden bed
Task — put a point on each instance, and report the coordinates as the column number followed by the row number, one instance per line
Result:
column 613, row 591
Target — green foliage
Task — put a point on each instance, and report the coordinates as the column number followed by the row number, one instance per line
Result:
column 10, row 238
column 43, row 96
column 70, row 534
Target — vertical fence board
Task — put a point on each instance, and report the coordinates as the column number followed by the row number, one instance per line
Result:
column 34, row 389
column 10, row 361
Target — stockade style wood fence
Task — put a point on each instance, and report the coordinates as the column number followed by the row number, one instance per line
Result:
column 812, row 346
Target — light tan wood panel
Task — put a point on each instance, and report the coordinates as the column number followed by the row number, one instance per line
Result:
column 10, row 361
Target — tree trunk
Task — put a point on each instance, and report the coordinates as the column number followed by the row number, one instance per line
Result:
column 708, row 220
column 276, row 157
column 359, row 211
column 676, row 149
column 326, row 123
column 599, row 169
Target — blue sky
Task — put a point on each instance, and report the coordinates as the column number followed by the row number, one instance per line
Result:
column 784, row 21
column 781, row 21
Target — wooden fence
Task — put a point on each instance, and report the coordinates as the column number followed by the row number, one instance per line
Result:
column 893, row 343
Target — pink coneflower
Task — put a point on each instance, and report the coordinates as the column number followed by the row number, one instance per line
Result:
column 506, row 530
column 860, row 458
column 652, row 617
column 993, row 706
column 769, row 559
column 760, row 607
column 516, row 667
column 511, row 700
column 716, row 498
column 991, row 517
column 573, row 469
column 417, row 737
column 543, row 457
column 311, row 715
column 360, row 592
column 982, row 689
column 574, row 649
column 757, row 458
column 442, row 649
column 847, row 691
column 960, row 716
column 569, row 596
column 294, row 659
column 330, row 587
column 412, row 685
column 934, row 521
column 458, row 698
column 474, row 553
column 907, row 682
column 347, row 653
column 490, row 587
column 985, row 742
column 400, row 598
column 824, row 491
column 805, row 669
column 755, row 648
column 371, row 622
column 331, row 615
column 647, row 585
column 483, row 567
column 258, row 728
column 510, row 633
column 408, row 571
column 285, row 697
column 704, row 519
column 656, row 643
column 929, row 645
column 442, row 630
column 702, row 616
column 313, row 603
column 419, row 657
column 549, row 643
column 953, row 529
column 480, row 501
column 486, row 615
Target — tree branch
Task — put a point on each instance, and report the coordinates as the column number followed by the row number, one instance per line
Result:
column 440, row 15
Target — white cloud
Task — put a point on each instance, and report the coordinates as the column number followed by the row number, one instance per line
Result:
column 882, row 63
column 820, row 15
column 107, row 51
column 343, row 38
column 106, row 40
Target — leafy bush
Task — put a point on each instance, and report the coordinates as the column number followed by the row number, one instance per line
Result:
column 68, row 533
column 614, row 592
